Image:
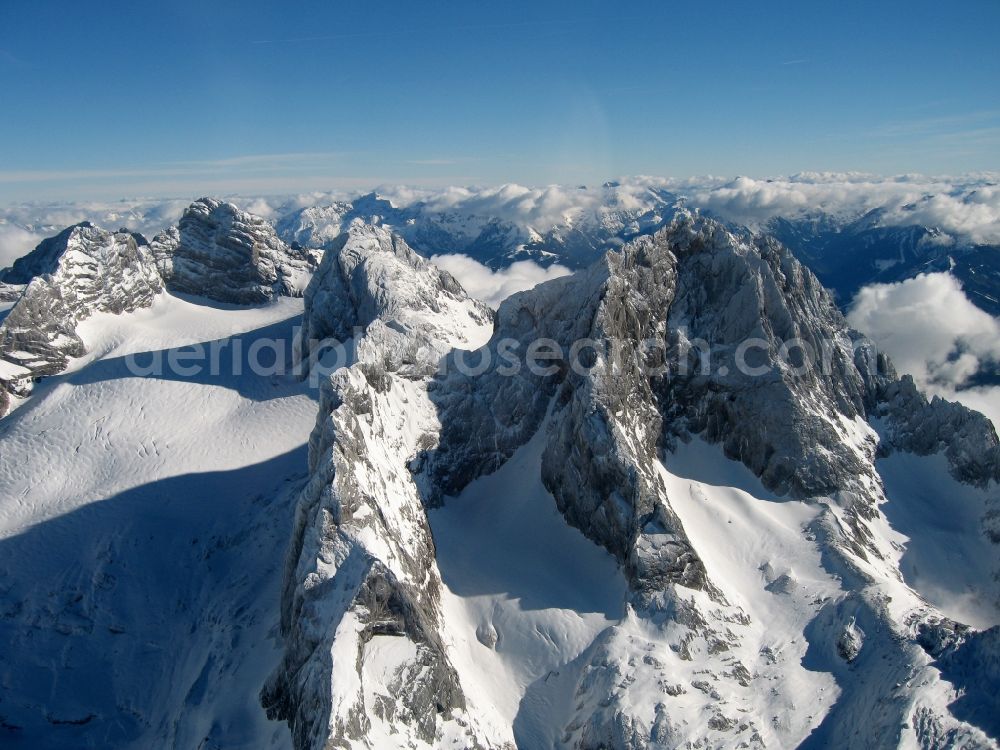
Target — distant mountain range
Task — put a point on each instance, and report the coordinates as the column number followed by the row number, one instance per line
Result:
column 844, row 250
column 849, row 230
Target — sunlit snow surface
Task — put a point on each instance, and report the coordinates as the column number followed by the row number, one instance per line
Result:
column 516, row 572
column 511, row 566
column 759, row 550
column 142, row 529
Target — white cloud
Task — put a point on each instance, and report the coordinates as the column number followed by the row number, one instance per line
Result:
column 492, row 287
column 540, row 208
column 967, row 207
column 932, row 331
column 973, row 213
column 148, row 216
column 261, row 207
column 16, row 241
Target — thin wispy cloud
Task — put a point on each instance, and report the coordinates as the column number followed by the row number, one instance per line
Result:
column 246, row 163
column 257, row 160
column 442, row 161
column 930, row 125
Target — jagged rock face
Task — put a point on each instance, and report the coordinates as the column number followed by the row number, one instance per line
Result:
column 362, row 594
column 801, row 430
column 642, row 308
column 915, row 425
column 81, row 271
column 399, row 431
column 669, row 314
column 603, row 427
column 226, row 254
column 370, row 273
column 732, row 291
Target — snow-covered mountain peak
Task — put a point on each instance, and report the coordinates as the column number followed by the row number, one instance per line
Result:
column 65, row 248
column 370, row 274
column 224, row 253
column 670, row 500
column 81, row 271
column 217, row 251
column 613, row 422
column 362, row 587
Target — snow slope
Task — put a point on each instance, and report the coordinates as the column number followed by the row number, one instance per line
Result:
column 141, row 528
column 144, row 521
column 760, row 550
column 945, row 557
column 525, row 593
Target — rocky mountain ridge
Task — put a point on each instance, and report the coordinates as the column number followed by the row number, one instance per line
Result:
column 609, row 433
column 576, row 240
column 217, row 251
column 81, row 271
column 361, row 570
column 846, row 250
column 229, row 255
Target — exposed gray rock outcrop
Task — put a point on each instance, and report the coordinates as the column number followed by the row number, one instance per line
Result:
column 226, row 254
column 617, row 365
column 361, row 579
column 666, row 321
column 919, row 426
column 81, row 271
column 618, row 401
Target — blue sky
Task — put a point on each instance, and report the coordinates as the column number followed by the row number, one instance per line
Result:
column 117, row 99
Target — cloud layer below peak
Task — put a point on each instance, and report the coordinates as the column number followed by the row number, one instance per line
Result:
column 493, row 287
column 933, row 332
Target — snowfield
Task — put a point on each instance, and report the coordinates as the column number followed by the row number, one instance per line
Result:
column 760, row 550
column 942, row 554
column 525, row 593
column 142, row 528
